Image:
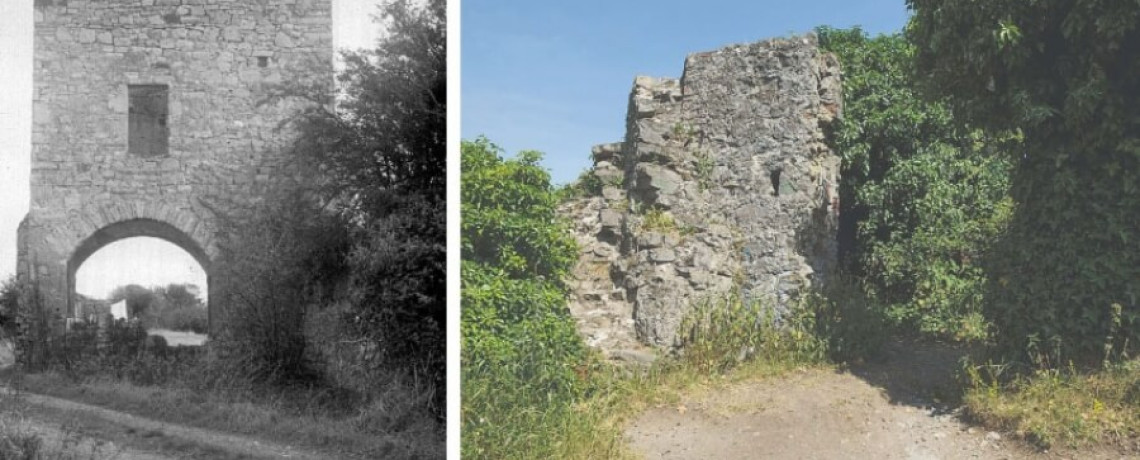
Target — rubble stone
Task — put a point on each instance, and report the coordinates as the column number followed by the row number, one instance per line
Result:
column 735, row 152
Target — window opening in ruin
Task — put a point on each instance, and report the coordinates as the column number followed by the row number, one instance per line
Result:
column 148, row 132
column 262, row 61
column 774, row 176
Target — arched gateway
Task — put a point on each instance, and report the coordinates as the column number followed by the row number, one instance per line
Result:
column 145, row 110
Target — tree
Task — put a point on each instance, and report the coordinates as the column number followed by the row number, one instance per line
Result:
column 1064, row 280
column 140, row 300
column 178, row 296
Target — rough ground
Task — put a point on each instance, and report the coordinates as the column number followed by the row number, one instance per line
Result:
column 105, row 433
column 893, row 409
column 84, row 431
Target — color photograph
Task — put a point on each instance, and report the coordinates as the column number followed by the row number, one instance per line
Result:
column 815, row 229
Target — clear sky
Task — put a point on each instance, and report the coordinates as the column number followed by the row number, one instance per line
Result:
column 556, row 76
column 147, row 261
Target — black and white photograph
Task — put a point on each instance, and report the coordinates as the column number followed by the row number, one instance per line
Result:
column 222, row 229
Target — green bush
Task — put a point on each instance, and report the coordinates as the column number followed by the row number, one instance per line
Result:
column 923, row 198
column 519, row 344
column 1065, row 276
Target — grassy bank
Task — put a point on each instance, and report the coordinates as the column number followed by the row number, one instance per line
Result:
column 727, row 341
column 182, row 386
column 1061, row 407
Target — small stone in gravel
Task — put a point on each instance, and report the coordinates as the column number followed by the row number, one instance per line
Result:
column 993, row 436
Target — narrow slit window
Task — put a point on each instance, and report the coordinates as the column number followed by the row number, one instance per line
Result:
column 149, row 134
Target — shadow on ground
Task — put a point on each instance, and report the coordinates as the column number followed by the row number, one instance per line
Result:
column 922, row 374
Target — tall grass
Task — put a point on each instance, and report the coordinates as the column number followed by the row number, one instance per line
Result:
column 1059, row 406
column 722, row 337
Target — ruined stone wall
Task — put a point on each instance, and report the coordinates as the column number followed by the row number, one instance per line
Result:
column 219, row 59
column 724, row 183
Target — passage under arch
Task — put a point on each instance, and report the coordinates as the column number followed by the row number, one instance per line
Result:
column 130, row 229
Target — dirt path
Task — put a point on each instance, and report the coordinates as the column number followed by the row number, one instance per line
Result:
column 127, row 436
column 893, row 409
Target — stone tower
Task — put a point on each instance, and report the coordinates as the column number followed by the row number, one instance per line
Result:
column 724, row 183
column 144, row 108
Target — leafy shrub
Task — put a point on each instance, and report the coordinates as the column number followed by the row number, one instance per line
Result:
column 1067, row 271
column 923, row 198
column 265, row 286
column 658, row 220
column 519, row 344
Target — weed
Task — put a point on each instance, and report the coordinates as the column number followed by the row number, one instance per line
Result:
column 704, row 169
column 683, row 132
column 658, row 220
column 719, row 334
column 1060, row 406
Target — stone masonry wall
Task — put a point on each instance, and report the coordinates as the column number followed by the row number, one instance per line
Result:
column 724, row 182
column 219, row 59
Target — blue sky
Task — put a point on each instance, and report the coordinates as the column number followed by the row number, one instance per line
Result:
column 556, row 76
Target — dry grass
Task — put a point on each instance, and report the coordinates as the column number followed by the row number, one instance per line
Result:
column 1062, row 407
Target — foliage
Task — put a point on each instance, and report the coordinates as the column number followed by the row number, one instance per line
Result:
column 519, row 344
column 379, row 160
column 357, row 237
column 1067, row 76
column 587, row 184
column 922, row 196
column 9, row 302
column 140, row 300
column 265, row 283
column 1059, row 406
column 658, row 220
column 172, row 307
column 386, row 136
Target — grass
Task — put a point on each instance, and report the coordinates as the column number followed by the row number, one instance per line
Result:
column 1061, row 406
column 590, row 423
column 19, row 440
column 318, row 419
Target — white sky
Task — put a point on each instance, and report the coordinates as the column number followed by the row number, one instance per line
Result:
column 145, row 261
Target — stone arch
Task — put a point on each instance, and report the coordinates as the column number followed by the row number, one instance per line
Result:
column 140, row 227
column 59, row 250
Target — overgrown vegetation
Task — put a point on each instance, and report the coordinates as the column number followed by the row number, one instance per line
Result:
column 519, row 346
column 1066, row 76
column 1062, row 407
column 923, row 196
column 1062, row 280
